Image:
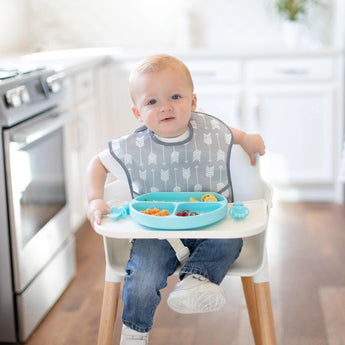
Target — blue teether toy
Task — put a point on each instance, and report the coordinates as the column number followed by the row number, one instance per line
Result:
column 238, row 211
column 119, row 212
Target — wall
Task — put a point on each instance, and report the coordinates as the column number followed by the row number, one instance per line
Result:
column 163, row 24
column 13, row 25
column 105, row 23
column 251, row 24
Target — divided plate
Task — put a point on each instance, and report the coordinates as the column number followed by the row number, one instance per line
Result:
column 208, row 212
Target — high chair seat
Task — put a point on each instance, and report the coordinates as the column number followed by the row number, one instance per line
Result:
column 251, row 265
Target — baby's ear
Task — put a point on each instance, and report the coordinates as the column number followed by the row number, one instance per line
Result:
column 136, row 113
column 194, row 102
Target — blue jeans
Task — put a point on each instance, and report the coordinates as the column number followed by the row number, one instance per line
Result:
column 152, row 261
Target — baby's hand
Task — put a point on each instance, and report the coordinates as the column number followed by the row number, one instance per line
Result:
column 253, row 143
column 96, row 209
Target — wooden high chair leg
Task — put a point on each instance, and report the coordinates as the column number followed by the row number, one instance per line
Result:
column 249, row 293
column 108, row 314
column 258, row 298
column 265, row 313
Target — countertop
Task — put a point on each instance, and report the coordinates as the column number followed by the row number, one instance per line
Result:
column 73, row 60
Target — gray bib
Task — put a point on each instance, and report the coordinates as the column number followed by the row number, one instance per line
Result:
column 201, row 163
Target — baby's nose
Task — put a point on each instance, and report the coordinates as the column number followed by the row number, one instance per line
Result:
column 166, row 106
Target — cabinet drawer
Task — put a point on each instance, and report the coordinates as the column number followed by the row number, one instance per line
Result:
column 291, row 70
column 215, row 70
column 83, row 85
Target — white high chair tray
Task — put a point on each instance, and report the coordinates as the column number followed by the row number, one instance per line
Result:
column 228, row 227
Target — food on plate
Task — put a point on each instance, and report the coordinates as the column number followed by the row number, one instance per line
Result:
column 156, row 212
column 209, row 197
column 191, row 199
column 186, row 213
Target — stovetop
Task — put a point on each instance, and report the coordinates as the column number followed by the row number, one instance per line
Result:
column 9, row 72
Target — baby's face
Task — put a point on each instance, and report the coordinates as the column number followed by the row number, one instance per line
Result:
column 164, row 101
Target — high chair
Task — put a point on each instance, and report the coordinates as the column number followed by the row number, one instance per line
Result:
column 251, row 265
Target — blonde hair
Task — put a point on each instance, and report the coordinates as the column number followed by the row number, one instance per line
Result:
column 157, row 63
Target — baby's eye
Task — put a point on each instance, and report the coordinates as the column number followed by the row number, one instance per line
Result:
column 152, row 101
column 175, row 96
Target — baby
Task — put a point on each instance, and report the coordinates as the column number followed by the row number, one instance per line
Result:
column 176, row 149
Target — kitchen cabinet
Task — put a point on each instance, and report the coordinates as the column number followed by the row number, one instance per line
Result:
column 219, row 89
column 122, row 119
column 292, row 104
column 221, row 101
column 113, row 105
column 297, row 124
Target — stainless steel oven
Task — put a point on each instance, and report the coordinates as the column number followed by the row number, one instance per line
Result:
column 36, row 189
column 41, row 248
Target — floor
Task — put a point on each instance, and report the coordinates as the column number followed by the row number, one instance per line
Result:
column 306, row 254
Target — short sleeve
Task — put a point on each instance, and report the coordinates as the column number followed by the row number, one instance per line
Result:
column 112, row 165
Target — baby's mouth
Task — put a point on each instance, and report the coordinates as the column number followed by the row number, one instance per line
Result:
column 167, row 119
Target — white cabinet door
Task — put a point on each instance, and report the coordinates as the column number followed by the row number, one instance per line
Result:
column 222, row 101
column 219, row 88
column 296, row 122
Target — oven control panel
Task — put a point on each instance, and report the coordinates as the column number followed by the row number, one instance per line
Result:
column 29, row 94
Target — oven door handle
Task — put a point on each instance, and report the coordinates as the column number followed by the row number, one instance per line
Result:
column 39, row 128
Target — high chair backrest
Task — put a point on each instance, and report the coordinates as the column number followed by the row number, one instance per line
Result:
column 246, row 179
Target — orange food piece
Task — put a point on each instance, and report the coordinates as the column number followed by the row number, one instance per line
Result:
column 151, row 211
column 156, row 212
column 162, row 213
